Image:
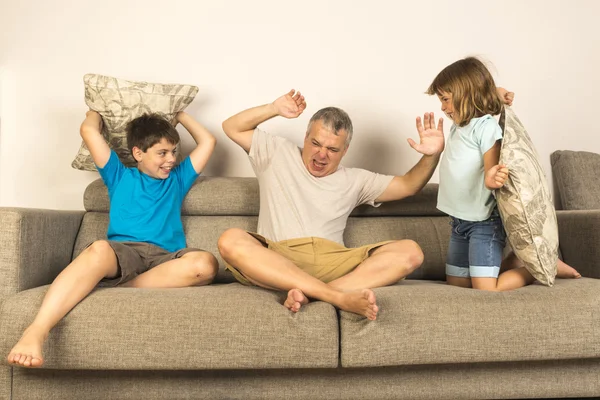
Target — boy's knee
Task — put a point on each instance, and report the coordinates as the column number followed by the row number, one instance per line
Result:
column 100, row 248
column 202, row 266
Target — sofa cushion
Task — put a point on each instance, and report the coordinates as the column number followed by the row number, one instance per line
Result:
column 525, row 202
column 212, row 327
column 207, row 194
column 119, row 101
column 423, row 322
column 577, row 179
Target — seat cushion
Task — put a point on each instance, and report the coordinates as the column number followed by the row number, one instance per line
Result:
column 525, row 202
column 422, row 322
column 213, row 327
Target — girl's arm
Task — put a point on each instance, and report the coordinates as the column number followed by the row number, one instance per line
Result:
column 495, row 174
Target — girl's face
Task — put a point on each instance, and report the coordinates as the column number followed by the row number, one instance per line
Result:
column 447, row 107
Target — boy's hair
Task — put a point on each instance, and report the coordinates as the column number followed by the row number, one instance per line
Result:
column 473, row 90
column 145, row 131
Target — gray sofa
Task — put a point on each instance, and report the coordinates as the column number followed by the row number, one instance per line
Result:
column 234, row 342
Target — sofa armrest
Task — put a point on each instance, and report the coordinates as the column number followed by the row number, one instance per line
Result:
column 35, row 245
column 579, row 236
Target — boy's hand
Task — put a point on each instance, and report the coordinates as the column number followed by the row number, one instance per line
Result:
column 496, row 176
column 290, row 105
column 431, row 138
column 94, row 119
column 91, row 133
column 506, row 96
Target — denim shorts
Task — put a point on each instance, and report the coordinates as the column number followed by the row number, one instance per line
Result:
column 476, row 248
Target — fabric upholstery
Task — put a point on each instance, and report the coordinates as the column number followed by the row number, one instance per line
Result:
column 423, row 322
column 525, row 202
column 35, row 245
column 577, row 179
column 119, row 101
column 212, row 327
column 207, row 194
column 510, row 380
column 580, row 240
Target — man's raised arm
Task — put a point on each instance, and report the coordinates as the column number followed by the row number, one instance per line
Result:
column 240, row 127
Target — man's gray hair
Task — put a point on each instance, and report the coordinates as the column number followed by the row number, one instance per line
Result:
column 335, row 119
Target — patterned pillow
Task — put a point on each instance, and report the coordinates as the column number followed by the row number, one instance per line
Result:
column 525, row 202
column 119, row 101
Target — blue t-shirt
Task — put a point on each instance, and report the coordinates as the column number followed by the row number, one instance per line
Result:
column 462, row 192
column 146, row 209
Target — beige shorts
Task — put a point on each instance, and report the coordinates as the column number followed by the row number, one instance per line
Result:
column 324, row 259
column 135, row 258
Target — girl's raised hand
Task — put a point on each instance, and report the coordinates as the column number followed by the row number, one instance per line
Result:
column 431, row 139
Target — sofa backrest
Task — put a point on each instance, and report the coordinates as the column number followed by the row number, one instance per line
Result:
column 576, row 179
column 215, row 204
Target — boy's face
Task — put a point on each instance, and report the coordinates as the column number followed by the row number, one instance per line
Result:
column 158, row 160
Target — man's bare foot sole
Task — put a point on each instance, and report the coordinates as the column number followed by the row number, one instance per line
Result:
column 295, row 300
column 362, row 302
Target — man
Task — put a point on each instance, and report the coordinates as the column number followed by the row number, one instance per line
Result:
column 305, row 200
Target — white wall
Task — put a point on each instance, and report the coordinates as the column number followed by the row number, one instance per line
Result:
column 374, row 59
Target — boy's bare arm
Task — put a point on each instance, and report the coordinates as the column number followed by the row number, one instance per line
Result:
column 91, row 132
column 205, row 141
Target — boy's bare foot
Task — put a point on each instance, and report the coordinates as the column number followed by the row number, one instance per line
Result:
column 295, row 300
column 565, row 271
column 28, row 350
column 361, row 302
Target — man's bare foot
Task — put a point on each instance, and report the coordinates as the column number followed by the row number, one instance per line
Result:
column 295, row 300
column 360, row 302
column 28, row 350
column 565, row 271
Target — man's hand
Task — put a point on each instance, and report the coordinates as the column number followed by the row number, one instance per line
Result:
column 496, row 176
column 506, row 96
column 431, row 138
column 290, row 105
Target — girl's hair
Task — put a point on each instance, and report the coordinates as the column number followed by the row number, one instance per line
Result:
column 473, row 90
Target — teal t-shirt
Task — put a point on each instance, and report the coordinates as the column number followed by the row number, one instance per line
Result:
column 462, row 192
column 146, row 209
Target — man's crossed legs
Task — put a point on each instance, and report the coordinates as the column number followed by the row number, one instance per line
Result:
column 255, row 260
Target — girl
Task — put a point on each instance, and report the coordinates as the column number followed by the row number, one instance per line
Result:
column 469, row 172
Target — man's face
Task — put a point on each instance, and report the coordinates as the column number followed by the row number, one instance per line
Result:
column 158, row 160
column 323, row 150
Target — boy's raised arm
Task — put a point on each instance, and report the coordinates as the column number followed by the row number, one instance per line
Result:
column 91, row 132
column 205, row 141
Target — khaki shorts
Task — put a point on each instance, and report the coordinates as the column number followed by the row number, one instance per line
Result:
column 135, row 258
column 321, row 258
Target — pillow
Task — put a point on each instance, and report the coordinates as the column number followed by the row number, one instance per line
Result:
column 119, row 101
column 525, row 203
column 577, row 180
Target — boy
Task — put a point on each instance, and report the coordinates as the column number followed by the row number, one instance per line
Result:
column 146, row 243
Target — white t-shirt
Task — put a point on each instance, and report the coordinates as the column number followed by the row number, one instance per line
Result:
column 462, row 192
column 295, row 204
